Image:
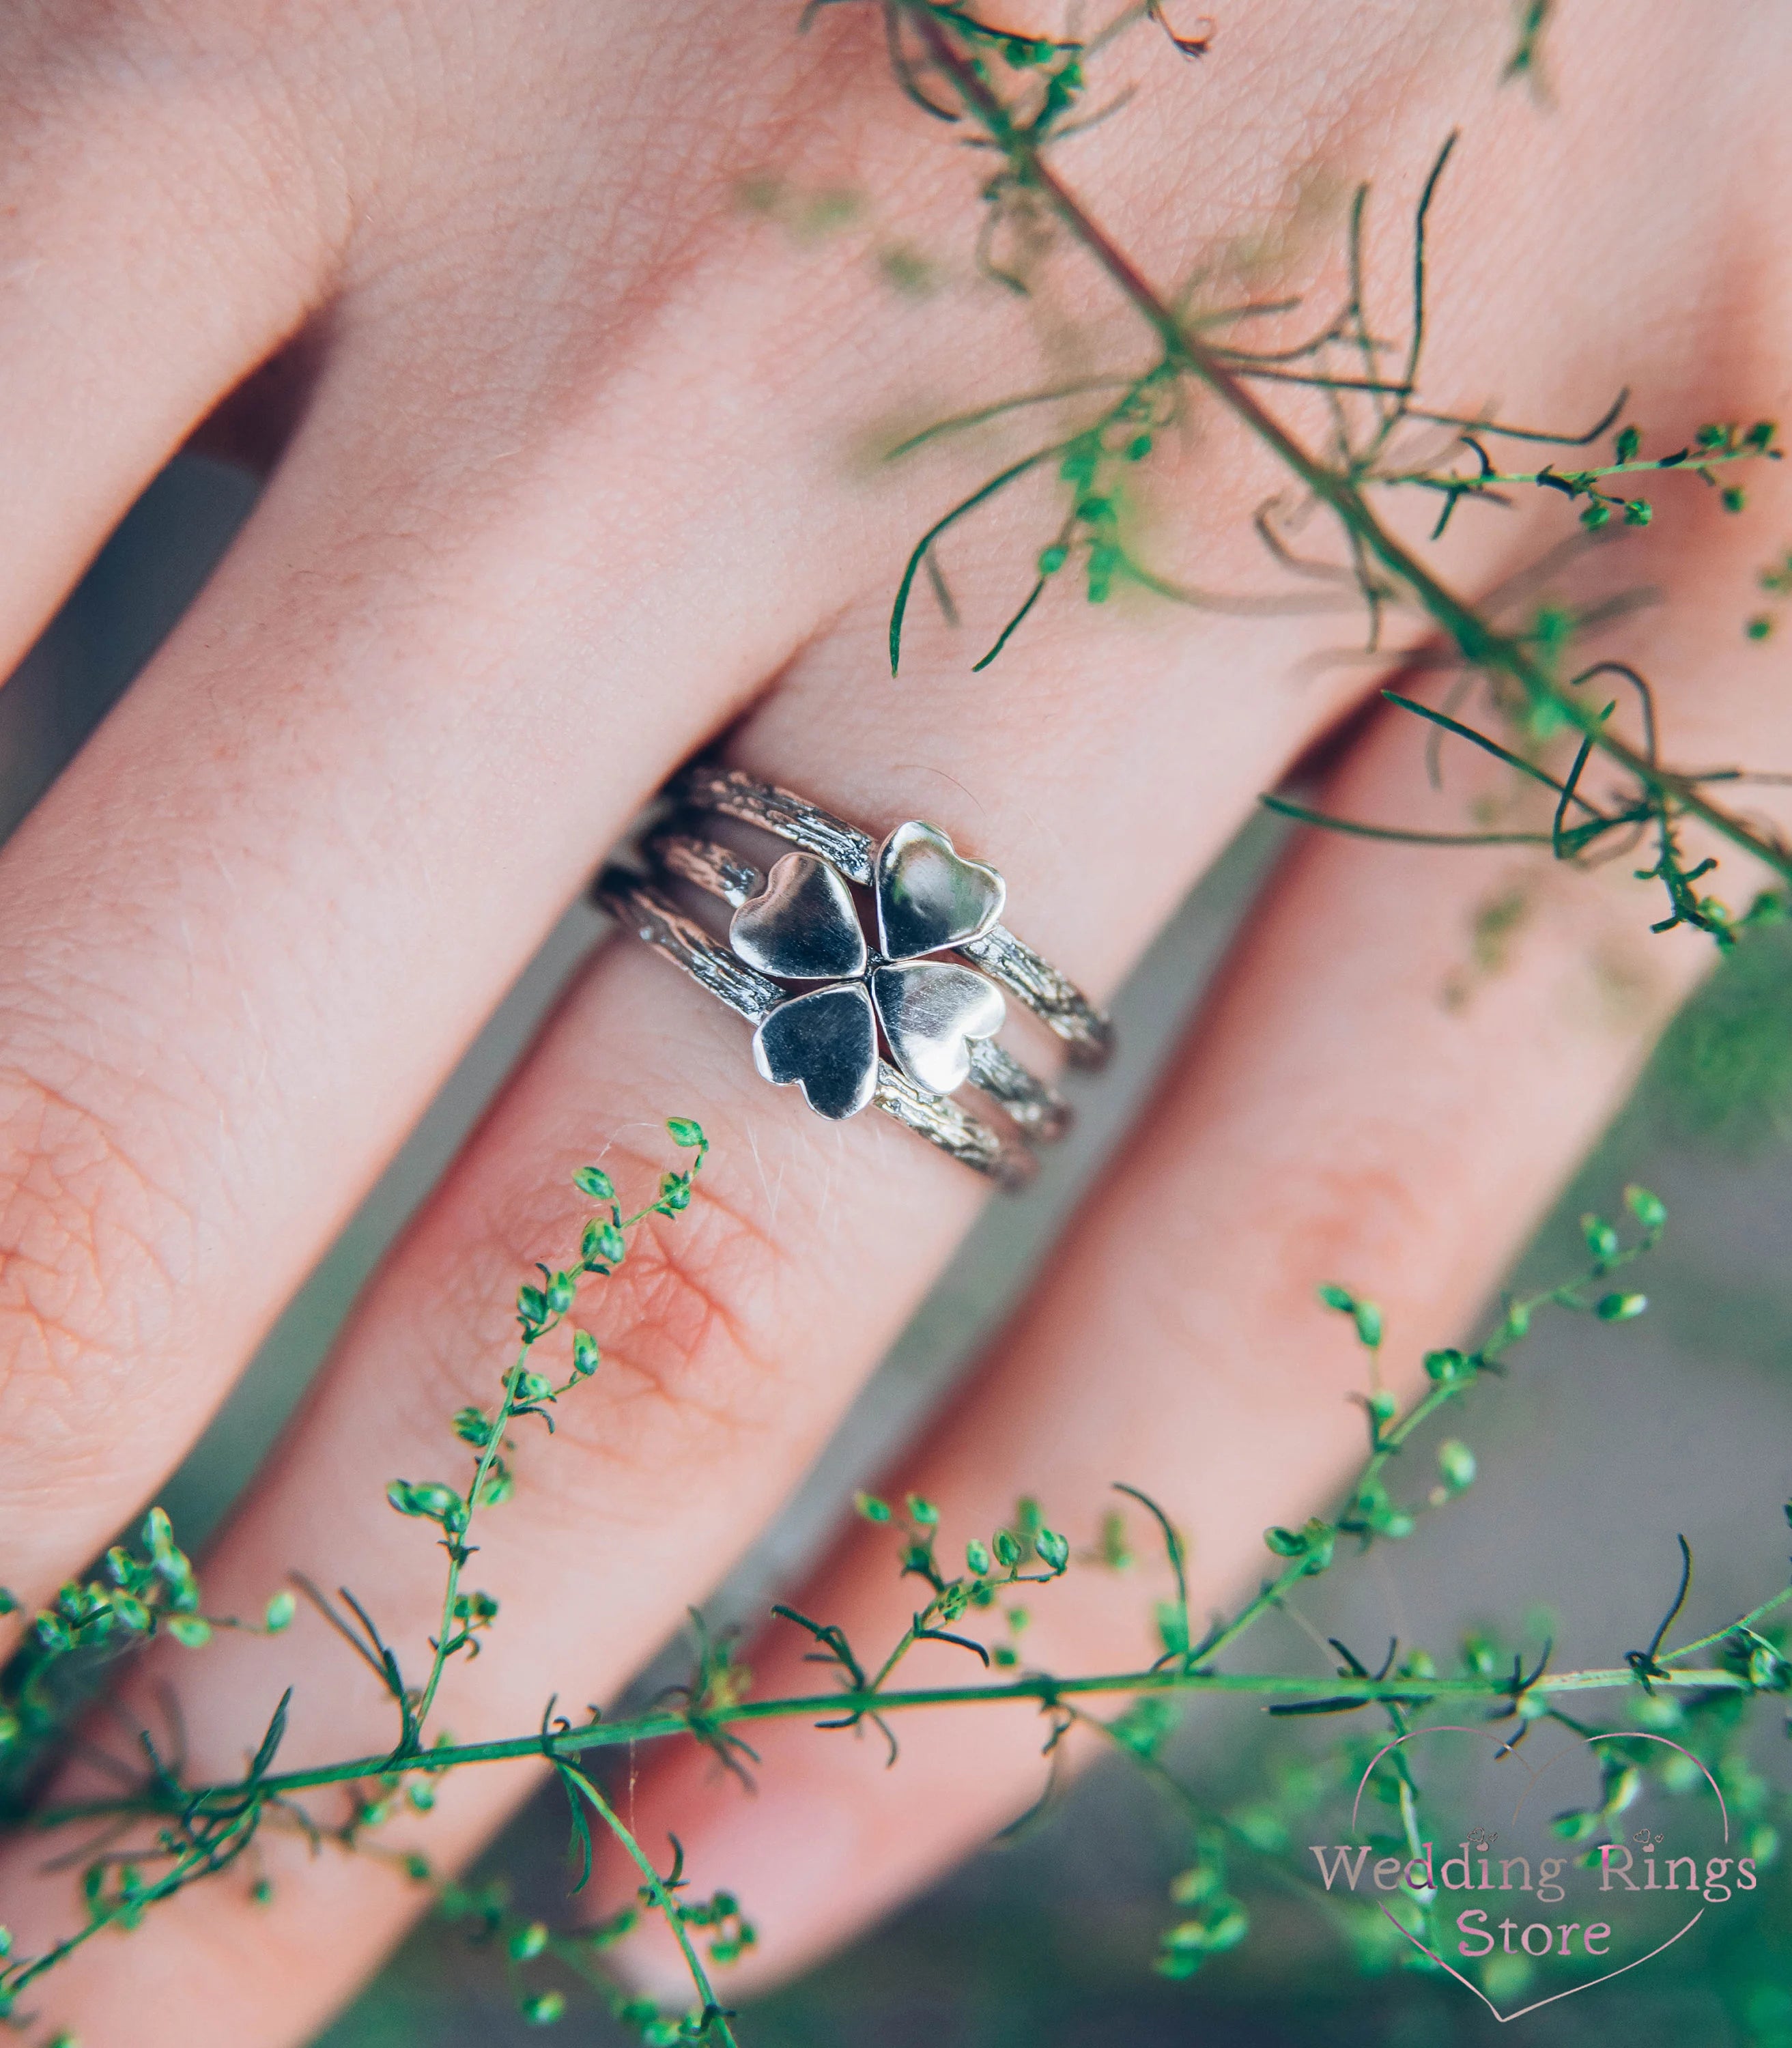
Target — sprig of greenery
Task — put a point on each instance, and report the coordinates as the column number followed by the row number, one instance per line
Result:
column 1018, row 110
column 200, row 1830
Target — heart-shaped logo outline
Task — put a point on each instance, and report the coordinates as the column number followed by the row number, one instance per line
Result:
column 1505, row 1749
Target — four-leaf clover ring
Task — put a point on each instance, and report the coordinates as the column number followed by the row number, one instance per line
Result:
column 826, row 1002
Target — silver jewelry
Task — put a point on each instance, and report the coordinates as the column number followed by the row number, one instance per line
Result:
column 799, row 924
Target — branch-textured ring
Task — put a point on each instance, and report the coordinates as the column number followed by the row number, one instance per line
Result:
column 930, row 991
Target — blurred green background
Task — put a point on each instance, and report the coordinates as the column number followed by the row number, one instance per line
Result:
column 1601, row 1446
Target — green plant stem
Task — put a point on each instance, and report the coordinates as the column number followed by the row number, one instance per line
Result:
column 1481, row 644
column 714, row 2015
column 447, row 1641
column 1039, row 1687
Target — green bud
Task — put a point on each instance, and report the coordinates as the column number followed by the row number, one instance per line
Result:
column 474, row 1427
column 560, row 1292
column 1650, row 1210
column 1052, row 560
column 1602, row 1239
column 1285, row 1543
column 1382, row 1405
column 158, row 1537
column 1053, row 1550
column 610, row 1243
column 1620, row 1308
column 131, row 1611
column 687, row 1131
column 531, row 1305
column 542, row 2008
column 1447, row 1365
column 1456, row 1462
column 532, row 1387
column 1595, row 515
column 1007, row 1548
column 976, row 1557
column 1629, row 442
column 191, row 1630
column 1735, row 499
column 1759, row 627
column 1368, row 1325
column 280, row 1611
column 1639, row 512
column 1337, row 1298
column 586, row 1356
column 873, row 1509
column 528, row 1942
column 923, row 1511
column 431, row 1500
column 594, row 1181
column 1138, row 447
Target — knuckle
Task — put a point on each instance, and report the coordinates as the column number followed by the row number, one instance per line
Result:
column 685, row 1323
column 90, row 1247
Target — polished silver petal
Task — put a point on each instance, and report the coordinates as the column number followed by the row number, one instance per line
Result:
column 931, row 1011
column 804, row 926
column 826, row 1042
column 929, row 897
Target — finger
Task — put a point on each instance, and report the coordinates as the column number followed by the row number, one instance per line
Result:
column 254, row 924
column 1365, row 1100
column 165, row 224
column 733, row 1338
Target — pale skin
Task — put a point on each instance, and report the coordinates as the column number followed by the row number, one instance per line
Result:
column 572, row 471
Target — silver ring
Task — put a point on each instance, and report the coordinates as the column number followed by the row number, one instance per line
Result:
column 931, row 989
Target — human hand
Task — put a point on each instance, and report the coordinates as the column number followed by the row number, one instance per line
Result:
column 572, row 481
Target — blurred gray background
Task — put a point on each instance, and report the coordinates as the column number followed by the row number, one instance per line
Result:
column 1599, row 1448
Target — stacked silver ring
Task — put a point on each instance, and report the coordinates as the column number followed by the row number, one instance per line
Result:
column 930, row 994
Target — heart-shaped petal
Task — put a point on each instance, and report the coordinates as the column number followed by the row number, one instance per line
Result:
column 825, row 1041
column 929, row 897
column 931, row 1011
column 803, row 925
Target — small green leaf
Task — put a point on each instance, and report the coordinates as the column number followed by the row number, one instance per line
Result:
column 192, row 1630
column 871, row 1507
column 685, row 1130
column 594, row 1181
column 586, row 1356
column 279, row 1614
column 976, row 1555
